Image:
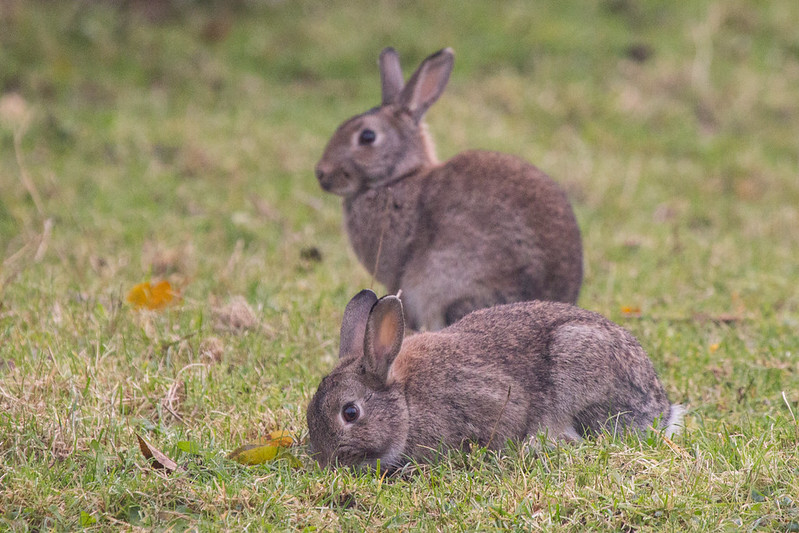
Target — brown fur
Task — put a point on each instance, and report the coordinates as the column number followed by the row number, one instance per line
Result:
column 510, row 372
column 480, row 229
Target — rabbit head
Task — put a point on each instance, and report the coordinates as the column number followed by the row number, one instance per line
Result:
column 387, row 142
column 356, row 417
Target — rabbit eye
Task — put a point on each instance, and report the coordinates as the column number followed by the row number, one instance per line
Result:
column 367, row 136
column 350, row 412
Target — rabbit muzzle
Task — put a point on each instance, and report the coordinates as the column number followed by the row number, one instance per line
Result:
column 337, row 181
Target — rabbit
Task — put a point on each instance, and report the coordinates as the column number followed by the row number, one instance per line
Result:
column 510, row 372
column 480, row 229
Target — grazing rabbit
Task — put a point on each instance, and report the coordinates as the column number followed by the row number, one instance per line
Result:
column 481, row 229
column 512, row 371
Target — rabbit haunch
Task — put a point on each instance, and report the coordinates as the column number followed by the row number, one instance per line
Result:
column 510, row 372
column 480, row 229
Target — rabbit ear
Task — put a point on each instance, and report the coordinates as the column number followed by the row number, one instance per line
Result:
column 390, row 75
column 353, row 327
column 385, row 330
column 427, row 83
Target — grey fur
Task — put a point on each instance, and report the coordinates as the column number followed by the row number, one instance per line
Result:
column 510, row 372
column 480, row 229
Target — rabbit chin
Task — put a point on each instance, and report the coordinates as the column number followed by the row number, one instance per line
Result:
column 389, row 460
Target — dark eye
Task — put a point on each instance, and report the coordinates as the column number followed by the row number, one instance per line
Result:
column 350, row 412
column 367, row 137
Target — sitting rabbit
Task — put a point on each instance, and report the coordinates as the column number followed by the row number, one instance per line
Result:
column 514, row 371
column 480, row 229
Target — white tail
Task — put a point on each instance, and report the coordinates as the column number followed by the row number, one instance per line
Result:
column 674, row 424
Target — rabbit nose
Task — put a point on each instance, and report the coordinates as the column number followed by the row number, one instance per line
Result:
column 323, row 171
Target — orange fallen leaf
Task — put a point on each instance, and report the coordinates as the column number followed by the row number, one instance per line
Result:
column 157, row 458
column 713, row 347
column 281, row 438
column 631, row 310
column 158, row 296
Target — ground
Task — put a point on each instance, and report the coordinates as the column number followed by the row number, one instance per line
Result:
column 146, row 141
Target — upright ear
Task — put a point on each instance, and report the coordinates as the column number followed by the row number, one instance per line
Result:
column 353, row 327
column 390, row 75
column 427, row 83
column 385, row 330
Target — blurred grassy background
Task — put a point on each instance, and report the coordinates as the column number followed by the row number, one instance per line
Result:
column 177, row 140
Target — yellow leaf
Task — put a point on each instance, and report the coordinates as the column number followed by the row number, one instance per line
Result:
column 158, row 296
column 265, row 449
column 631, row 310
column 254, row 454
column 713, row 347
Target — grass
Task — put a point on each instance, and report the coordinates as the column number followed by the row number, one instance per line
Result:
column 178, row 143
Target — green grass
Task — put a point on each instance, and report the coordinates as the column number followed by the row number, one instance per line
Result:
column 181, row 147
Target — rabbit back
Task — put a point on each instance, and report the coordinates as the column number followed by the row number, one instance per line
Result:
column 482, row 229
column 566, row 373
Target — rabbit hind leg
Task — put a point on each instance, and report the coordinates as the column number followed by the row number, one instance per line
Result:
column 551, row 436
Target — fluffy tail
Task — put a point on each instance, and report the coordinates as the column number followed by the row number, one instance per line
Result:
column 674, row 424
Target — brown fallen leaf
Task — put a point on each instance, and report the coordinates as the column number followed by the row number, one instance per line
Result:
column 155, row 456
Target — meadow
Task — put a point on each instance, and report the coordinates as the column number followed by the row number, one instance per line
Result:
column 146, row 141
